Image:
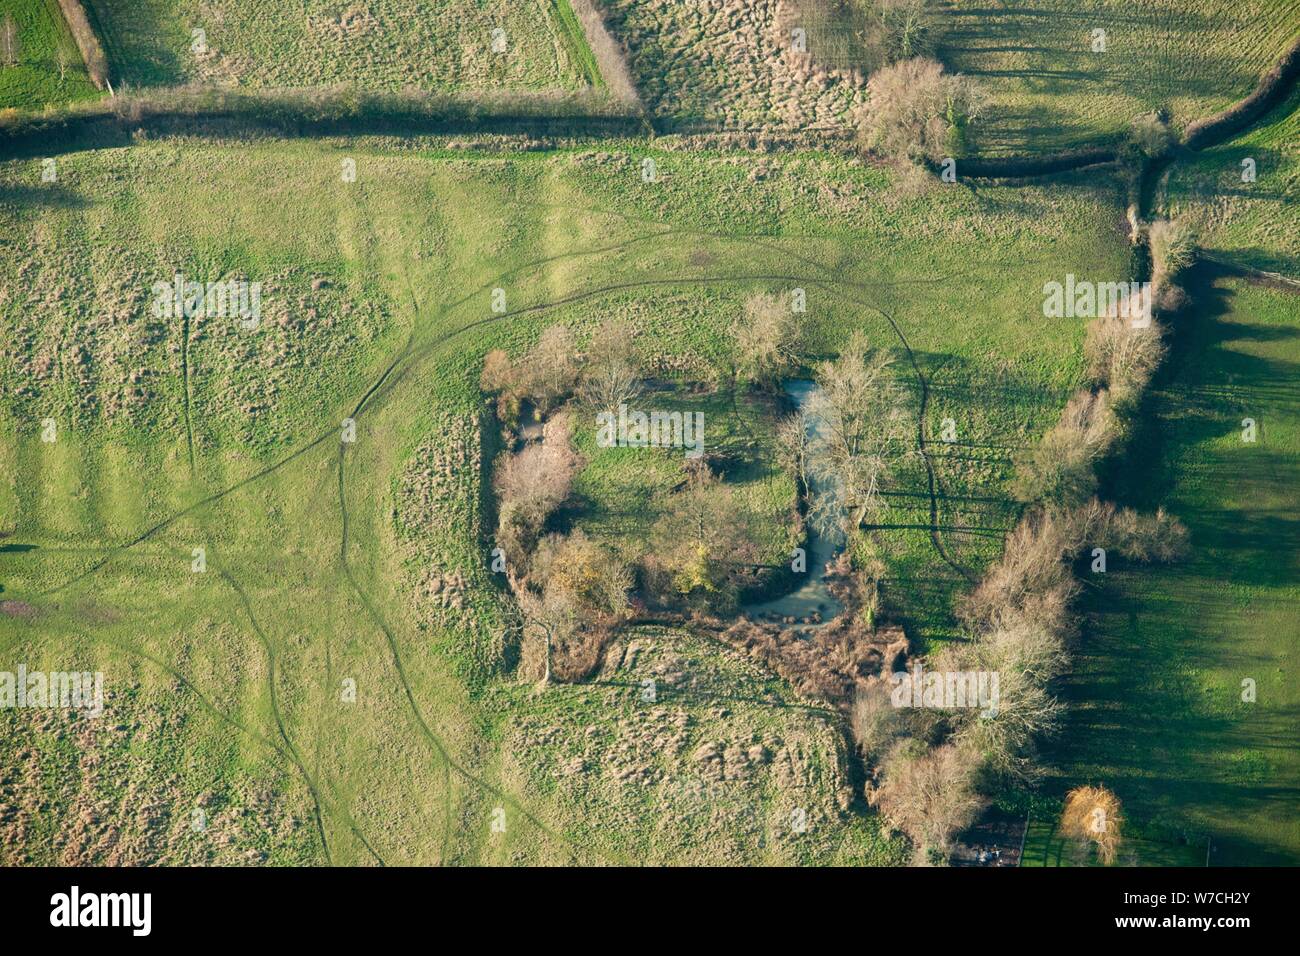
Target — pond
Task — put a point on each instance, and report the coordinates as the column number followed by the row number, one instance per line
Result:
column 813, row 597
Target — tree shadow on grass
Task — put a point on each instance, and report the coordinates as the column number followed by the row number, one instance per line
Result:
column 48, row 195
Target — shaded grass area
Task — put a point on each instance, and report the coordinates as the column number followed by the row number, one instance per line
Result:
column 1044, row 846
column 1050, row 91
column 36, row 80
column 321, row 556
column 1157, row 709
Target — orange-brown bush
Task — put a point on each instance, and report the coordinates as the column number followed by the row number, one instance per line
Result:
column 1093, row 814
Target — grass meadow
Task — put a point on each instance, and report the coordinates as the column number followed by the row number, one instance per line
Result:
column 1050, row 91
column 36, row 80
column 380, row 44
column 1249, row 223
column 315, row 683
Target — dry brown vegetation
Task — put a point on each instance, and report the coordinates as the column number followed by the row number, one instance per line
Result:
column 1092, row 814
column 827, row 663
column 731, row 63
column 610, row 55
column 92, row 51
column 927, row 794
column 916, row 113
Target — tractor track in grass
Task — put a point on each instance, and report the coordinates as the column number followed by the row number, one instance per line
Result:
column 410, row 355
column 406, row 358
column 284, row 749
column 294, row 756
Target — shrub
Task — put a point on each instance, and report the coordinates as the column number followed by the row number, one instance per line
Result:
column 928, row 795
column 1151, row 134
column 766, row 339
column 915, row 112
column 1092, row 814
column 1122, row 358
column 609, row 53
column 1059, row 470
column 875, row 722
column 590, row 573
column 1173, row 249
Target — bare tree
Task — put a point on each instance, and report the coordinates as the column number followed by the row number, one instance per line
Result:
column 910, row 28
column 928, row 794
column 1122, row 357
column 552, row 364
column 546, row 373
column 793, row 442
column 1060, row 469
column 859, row 436
column 766, row 339
column 1003, row 737
column 530, row 485
column 499, row 373
column 611, row 374
column 916, row 112
column 1031, row 576
column 700, row 540
column 550, row 617
column 1173, row 249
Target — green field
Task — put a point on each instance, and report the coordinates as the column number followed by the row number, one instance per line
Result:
column 1157, row 710
column 1249, row 223
column 380, row 44
column 275, row 538
column 330, row 562
column 36, row 79
column 1051, row 91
